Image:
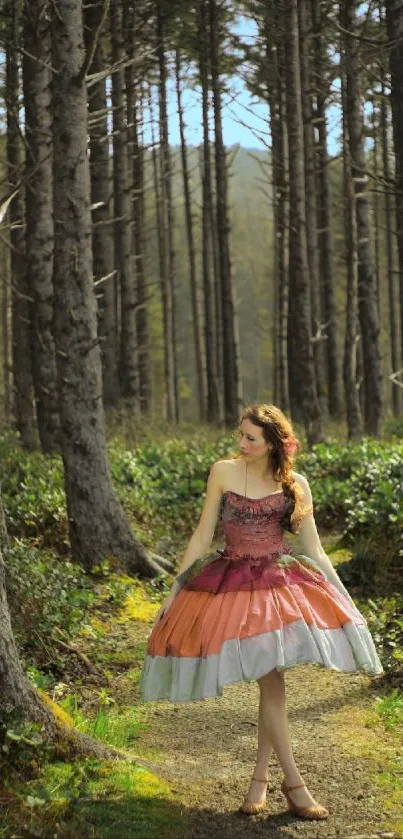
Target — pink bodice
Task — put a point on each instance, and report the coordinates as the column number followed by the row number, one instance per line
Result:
column 252, row 526
column 255, row 555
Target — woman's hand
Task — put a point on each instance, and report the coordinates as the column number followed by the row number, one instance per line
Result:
column 167, row 602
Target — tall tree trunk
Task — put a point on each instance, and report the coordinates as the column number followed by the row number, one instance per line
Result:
column 231, row 359
column 211, row 320
column 274, row 35
column 5, row 331
column 394, row 22
column 134, row 104
column 122, row 184
column 304, row 386
column 376, row 207
column 324, row 207
column 168, row 400
column 21, row 333
column 171, row 366
column 101, row 199
column 305, row 52
column 352, row 337
column 97, row 525
column 390, row 252
column 211, row 208
column 39, row 215
column 200, row 356
column 368, row 311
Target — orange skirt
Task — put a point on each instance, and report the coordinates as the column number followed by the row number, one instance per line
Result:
column 210, row 638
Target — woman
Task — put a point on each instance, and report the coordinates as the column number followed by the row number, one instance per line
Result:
column 255, row 609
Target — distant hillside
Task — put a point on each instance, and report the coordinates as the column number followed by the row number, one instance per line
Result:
column 251, row 249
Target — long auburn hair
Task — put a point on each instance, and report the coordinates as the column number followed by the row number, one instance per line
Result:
column 278, row 431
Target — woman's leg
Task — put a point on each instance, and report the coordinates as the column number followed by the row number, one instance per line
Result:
column 257, row 789
column 273, row 722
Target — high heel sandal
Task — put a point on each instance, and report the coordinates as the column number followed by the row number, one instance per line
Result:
column 250, row 808
column 314, row 812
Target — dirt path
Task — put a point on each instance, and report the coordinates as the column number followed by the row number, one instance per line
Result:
column 207, row 751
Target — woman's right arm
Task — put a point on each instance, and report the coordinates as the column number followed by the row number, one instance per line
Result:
column 202, row 536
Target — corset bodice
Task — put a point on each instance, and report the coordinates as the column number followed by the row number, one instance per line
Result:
column 252, row 526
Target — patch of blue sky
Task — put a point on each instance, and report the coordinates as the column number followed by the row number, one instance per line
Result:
column 245, row 116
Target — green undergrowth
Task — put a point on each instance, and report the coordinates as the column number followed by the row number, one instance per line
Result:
column 96, row 799
column 42, row 796
column 112, row 725
column 390, row 710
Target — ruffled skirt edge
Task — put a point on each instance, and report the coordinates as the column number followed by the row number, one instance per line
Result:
column 348, row 649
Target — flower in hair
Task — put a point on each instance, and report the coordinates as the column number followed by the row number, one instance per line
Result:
column 290, row 445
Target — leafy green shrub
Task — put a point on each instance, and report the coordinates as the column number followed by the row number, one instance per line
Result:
column 390, row 709
column 393, row 427
column 46, row 593
column 385, row 622
column 165, row 484
column 33, row 494
column 358, row 489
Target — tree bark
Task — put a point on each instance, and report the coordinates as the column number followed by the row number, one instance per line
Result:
column 390, row 252
column 305, row 52
column 303, row 392
column 375, row 207
column 211, row 320
column 324, row 208
column 21, row 332
column 97, row 525
column 168, row 398
column 5, row 310
column 39, row 215
column 122, row 184
column 352, row 336
column 101, row 198
column 394, row 22
column 136, row 146
column 169, row 278
column 274, row 35
column 231, row 359
column 200, row 355
column 368, row 310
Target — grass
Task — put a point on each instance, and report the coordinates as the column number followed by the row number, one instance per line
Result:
column 376, row 735
column 116, row 727
column 390, row 709
column 94, row 799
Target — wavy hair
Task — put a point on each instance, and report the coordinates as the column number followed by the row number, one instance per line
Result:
column 278, row 431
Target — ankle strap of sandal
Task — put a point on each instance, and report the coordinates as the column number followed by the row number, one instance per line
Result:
column 297, row 787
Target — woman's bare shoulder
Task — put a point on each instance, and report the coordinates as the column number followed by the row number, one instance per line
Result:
column 223, row 468
column 224, row 465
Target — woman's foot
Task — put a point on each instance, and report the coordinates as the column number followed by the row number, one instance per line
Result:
column 255, row 800
column 301, row 802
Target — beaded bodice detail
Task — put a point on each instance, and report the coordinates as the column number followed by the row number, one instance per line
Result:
column 252, row 526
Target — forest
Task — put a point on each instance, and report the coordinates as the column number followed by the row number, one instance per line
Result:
column 152, row 285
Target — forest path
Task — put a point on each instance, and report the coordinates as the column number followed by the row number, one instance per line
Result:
column 206, row 750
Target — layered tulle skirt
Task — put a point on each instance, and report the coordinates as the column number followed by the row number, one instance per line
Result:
column 238, row 619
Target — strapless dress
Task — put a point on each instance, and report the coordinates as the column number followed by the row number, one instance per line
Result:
column 249, row 608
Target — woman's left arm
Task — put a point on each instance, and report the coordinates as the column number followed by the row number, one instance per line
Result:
column 311, row 542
